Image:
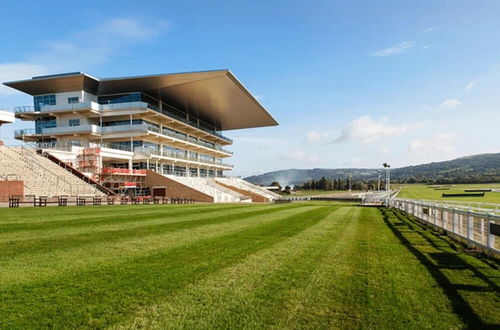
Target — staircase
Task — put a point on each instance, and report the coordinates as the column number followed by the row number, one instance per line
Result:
column 40, row 175
column 250, row 187
column 208, row 186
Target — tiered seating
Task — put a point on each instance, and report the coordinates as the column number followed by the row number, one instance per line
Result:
column 210, row 188
column 40, row 175
column 245, row 185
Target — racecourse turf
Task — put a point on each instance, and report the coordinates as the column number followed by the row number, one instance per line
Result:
column 435, row 192
column 299, row 265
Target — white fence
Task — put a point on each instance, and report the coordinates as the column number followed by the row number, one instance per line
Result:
column 480, row 229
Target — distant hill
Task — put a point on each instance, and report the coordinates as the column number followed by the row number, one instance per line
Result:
column 470, row 169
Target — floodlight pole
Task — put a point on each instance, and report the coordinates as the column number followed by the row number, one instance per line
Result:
column 350, row 182
column 387, row 177
column 378, row 171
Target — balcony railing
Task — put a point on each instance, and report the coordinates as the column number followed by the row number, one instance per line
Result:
column 95, row 129
column 155, row 152
column 71, row 129
column 113, row 106
column 24, row 109
column 68, row 146
column 24, row 132
column 149, row 128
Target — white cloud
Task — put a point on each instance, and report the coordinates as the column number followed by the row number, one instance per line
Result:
column 425, row 47
column 450, row 103
column 313, row 137
column 83, row 50
column 470, row 85
column 17, row 71
column 440, row 143
column 368, row 130
column 301, row 156
column 396, row 49
column 430, row 29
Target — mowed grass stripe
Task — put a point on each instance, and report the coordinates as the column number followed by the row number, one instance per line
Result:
column 472, row 285
column 94, row 216
column 56, row 263
column 76, row 213
column 104, row 296
column 120, row 225
column 239, row 295
column 366, row 296
column 13, row 249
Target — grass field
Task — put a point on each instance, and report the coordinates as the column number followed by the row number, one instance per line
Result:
column 420, row 191
column 299, row 265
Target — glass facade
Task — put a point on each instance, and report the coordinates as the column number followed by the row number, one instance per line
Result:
column 44, row 122
column 72, row 100
column 159, row 106
column 41, row 100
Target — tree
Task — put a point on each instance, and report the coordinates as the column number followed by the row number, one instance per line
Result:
column 276, row 184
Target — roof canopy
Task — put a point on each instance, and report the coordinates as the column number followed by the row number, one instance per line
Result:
column 214, row 96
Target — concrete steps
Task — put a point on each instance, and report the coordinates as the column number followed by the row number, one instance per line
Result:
column 209, row 187
column 247, row 186
column 40, row 175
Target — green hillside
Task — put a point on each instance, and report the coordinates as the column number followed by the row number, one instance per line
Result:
column 481, row 168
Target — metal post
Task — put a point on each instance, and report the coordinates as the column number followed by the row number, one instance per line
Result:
column 444, row 218
column 454, row 221
column 482, row 230
column 378, row 180
column 470, row 228
column 490, row 239
column 460, row 224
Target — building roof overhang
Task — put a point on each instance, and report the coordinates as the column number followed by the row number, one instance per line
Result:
column 6, row 117
column 215, row 96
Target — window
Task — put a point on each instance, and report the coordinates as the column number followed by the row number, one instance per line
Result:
column 44, row 122
column 74, row 122
column 41, row 100
column 72, row 100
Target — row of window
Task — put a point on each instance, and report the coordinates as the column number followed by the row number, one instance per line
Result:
column 50, row 99
column 169, row 169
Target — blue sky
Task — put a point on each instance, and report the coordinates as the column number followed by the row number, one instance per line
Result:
column 352, row 83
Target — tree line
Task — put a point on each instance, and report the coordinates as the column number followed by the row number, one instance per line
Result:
column 325, row 183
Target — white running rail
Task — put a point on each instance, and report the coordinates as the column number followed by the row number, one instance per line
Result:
column 476, row 227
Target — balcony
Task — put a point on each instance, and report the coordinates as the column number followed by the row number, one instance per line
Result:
column 148, row 128
column 63, row 130
column 27, row 111
column 21, row 133
column 57, row 108
column 154, row 152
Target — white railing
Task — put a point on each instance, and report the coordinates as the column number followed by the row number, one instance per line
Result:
column 472, row 225
column 71, row 129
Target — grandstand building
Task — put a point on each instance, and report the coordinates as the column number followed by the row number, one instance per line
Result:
column 117, row 130
column 6, row 117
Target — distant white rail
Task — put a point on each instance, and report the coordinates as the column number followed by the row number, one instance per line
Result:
column 477, row 227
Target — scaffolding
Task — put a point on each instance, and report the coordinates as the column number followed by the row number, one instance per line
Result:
column 90, row 161
column 124, row 181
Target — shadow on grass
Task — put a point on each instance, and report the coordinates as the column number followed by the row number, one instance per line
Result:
column 446, row 266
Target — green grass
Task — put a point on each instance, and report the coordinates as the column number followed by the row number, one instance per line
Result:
column 299, row 265
column 420, row 191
